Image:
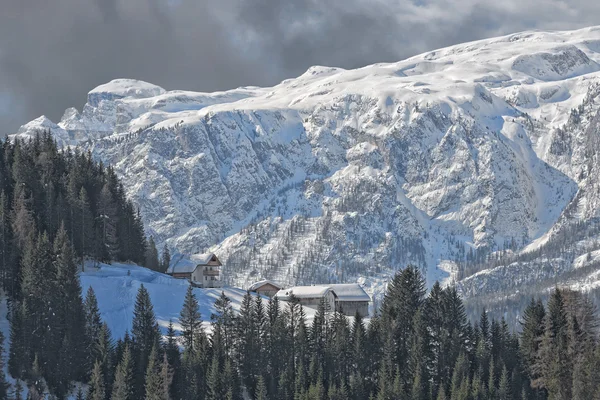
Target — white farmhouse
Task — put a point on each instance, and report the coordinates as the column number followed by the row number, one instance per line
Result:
column 204, row 271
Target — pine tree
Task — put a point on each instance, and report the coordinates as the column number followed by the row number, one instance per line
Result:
column 190, row 318
column 123, row 388
column 85, row 222
column 504, row 390
column 173, row 359
column 19, row 351
column 18, row 392
column 401, row 302
column 152, row 256
column 93, row 326
column 107, row 210
column 166, row 259
column 261, row 389
column 4, row 385
column 6, row 251
column 69, row 316
column 224, row 318
column 158, row 377
column 145, row 334
column 96, row 390
column 554, row 365
column 36, row 381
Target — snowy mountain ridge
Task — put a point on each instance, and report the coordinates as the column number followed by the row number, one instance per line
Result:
column 343, row 175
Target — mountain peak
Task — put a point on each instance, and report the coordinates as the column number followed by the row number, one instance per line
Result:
column 119, row 88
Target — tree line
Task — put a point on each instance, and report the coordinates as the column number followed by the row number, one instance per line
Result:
column 44, row 188
column 418, row 346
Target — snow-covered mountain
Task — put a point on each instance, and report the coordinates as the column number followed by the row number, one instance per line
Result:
column 440, row 160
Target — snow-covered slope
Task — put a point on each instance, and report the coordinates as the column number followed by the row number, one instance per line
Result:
column 117, row 285
column 341, row 175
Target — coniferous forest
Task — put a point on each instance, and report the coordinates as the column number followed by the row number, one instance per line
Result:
column 59, row 208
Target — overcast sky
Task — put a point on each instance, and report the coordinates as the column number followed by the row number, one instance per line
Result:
column 52, row 52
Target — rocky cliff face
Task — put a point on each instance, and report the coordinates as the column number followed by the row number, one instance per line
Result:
column 459, row 160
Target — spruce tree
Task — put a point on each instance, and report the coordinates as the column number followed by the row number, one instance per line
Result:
column 19, row 350
column 107, row 210
column 165, row 259
column 18, row 392
column 554, row 366
column 93, row 326
column 123, row 388
column 145, row 335
column 158, row 377
column 504, row 389
column 190, row 318
column 4, row 385
column 69, row 316
column 174, row 360
column 96, row 389
column 151, row 256
column 261, row 389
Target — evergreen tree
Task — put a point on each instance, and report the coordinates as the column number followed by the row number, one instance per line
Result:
column 18, row 392
column 554, row 365
column 85, row 225
column 174, row 361
column 96, row 390
column 123, row 388
column 191, row 323
column 166, row 259
column 261, row 389
column 93, row 326
column 107, row 215
column 4, row 385
column 152, row 256
column 69, row 319
column 504, row 390
column 158, row 377
column 19, row 350
column 145, row 335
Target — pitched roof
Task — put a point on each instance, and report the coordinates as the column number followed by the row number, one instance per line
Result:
column 303, row 292
column 182, row 267
column 203, row 259
column 343, row 292
column 189, row 265
column 350, row 292
column 259, row 284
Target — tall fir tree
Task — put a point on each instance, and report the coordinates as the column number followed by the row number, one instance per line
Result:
column 145, row 335
column 190, row 318
column 152, row 261
column 96, row 388
column 123, row 388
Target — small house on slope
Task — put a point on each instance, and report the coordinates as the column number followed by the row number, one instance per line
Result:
column 203, row 270
column 347, row 299
column 265, row 287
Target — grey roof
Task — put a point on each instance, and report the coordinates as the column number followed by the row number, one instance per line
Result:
column 350, row 292
column 188, row 266
column 258, row 284
column 303, row 292
column 343, row 292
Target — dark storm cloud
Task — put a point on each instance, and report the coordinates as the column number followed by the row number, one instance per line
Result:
column 53, row 52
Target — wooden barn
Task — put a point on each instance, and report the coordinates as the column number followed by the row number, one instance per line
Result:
column 347, row 298
column 309, row 296
column 265, row 287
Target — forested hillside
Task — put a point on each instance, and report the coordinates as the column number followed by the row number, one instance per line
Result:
column 419, row 347
column 58, row 208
